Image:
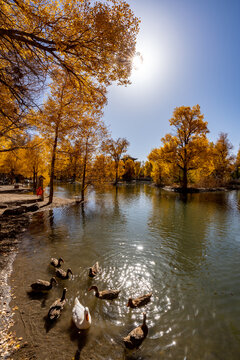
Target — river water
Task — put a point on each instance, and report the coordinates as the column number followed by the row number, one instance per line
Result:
column 185, row 250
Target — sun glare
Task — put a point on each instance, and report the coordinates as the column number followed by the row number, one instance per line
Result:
column 145, row 64
column 137, row 61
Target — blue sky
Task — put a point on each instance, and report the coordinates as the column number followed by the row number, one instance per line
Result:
column 191, row 52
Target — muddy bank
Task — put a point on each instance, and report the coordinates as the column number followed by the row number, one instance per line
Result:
column 15, row 215
column 11, row 229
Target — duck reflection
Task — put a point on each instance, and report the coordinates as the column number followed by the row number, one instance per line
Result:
column 79, row 337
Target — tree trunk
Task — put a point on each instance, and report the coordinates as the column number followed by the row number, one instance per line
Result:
column 52, row 166
column 116, row 173
column 74, row 177
column 84, row 174
column 83, row 182
column 74, row 172
column 185, row 180
column 185, row 168
column 34, row 181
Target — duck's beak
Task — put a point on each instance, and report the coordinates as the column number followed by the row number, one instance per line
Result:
column 87, row 317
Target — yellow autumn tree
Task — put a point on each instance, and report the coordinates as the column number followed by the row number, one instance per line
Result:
column 68, row 162
column 147, row 169
column 102, row 170
column 89, row 135
column 34, row 160
column 162, row 172
column 30, row 161
column 222, row 160
column 129, row 168
column 139, row 170
column 202, row 176
column 186, row 148
column 59, row 117
column 10, row 164
column 116, row 148
column 78, row 157
column 237, row 164
column 13, row 124
column 92, row 41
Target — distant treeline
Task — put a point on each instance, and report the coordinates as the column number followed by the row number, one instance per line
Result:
column 188, row 157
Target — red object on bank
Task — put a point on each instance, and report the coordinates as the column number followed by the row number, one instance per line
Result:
column 39, row 191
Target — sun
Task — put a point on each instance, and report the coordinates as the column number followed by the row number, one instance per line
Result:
column 141, row 67
column 137, row 61
column 149, row 63
column 145, row 63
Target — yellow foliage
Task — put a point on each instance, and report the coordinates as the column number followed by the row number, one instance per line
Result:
column 237, row 164
column 102, row 170
column 222, row 160
column 80, row 47
column 147, row 169
column 29, row 162
column 187, row 148
column 116, row 148
column 161, row 171
column 91, row 41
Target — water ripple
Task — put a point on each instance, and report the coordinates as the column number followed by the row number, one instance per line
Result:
column 186, row 251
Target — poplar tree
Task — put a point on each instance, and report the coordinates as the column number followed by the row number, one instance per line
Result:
column 186, row 148
column 116, row 148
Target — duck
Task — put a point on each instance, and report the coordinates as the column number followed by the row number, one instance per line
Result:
column 63, row 274
column 42, row 285
column 81, row 315
column 140, row 301
column 137, row 335
column 94, row 270
column 105, row 294
column 56, row 262
column 56, row 308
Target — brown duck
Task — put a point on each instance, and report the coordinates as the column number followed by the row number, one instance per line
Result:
column 63, row 274
column 56, row 308
column 137, row 335
column 140, row 301
column 42, row 285
column 56, row 262
column 94, row 270
column 105, row 294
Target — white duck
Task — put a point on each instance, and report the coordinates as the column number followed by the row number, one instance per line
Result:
column 81, row 315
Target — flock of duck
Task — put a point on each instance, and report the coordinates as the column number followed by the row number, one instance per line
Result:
column 80, row 314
